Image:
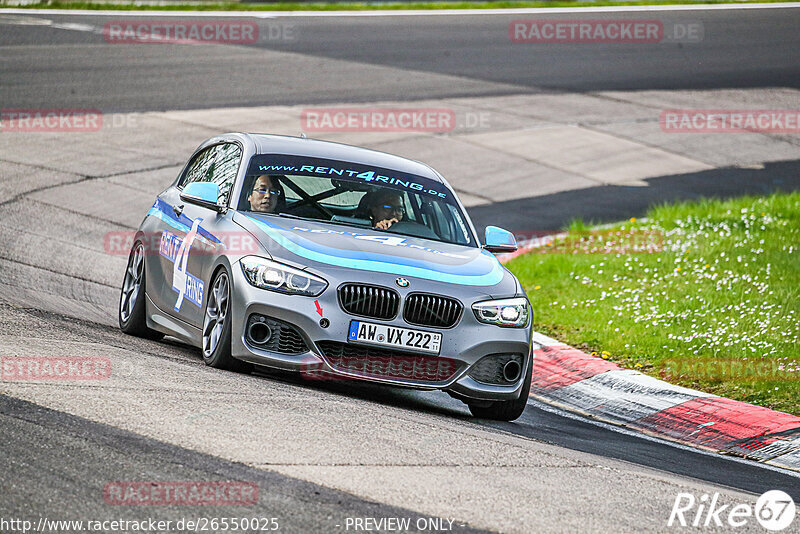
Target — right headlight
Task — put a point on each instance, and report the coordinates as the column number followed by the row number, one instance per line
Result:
column 268, row 274
column 512, row 313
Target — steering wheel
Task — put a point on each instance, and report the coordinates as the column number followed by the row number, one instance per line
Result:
column 314, row 204
column 411, row 229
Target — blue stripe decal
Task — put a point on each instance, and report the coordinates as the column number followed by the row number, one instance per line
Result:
column 476, row 267
column 169, row 220
column 473, row 273
column 163, row 211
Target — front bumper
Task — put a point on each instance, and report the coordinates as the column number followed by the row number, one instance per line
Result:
column 465, row 343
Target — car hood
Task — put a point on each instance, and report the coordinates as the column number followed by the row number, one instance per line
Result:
column 317, row 245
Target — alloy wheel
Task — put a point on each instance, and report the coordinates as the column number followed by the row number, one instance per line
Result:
column 216, row 315
column 132, row 284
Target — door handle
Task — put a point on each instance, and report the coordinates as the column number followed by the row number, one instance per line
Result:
column 178, row 210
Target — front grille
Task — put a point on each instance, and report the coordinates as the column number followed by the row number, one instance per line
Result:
column 390, row 364
column 432, row 310
column 369, row 301
column 284, row 337
column 489, row 369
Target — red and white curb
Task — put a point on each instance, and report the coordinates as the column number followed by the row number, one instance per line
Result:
column 578, row 382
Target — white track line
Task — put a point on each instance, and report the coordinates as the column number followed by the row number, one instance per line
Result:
column 401, row 13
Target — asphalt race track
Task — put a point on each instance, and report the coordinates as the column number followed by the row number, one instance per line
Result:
column 397, row 58
column 323, row 452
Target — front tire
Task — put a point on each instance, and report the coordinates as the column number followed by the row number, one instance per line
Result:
column 131, row 311
column 217, row 327
column 508, row 410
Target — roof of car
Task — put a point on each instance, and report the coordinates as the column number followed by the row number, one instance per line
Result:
column 300, row 146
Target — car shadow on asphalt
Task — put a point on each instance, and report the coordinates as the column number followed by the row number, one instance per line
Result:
column 611, row 203
column 546, row 424
column 432, row 402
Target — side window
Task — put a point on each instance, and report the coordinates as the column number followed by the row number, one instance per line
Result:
column 218, row 164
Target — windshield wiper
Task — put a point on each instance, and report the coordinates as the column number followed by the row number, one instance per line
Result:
column 351, row 224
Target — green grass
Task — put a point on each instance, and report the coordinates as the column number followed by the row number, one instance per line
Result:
column 717, row 309
column 351, row 6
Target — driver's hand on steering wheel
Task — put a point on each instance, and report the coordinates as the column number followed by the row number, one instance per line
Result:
column 386, row 223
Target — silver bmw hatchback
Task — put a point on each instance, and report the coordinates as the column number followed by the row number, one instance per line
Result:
column 333, row 261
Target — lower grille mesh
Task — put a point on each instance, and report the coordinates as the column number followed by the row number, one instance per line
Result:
column 389, row 364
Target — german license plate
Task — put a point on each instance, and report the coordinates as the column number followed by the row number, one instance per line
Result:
column 392, row 336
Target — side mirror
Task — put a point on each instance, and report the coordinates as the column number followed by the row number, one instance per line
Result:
column 204, row 194
column 499, row 240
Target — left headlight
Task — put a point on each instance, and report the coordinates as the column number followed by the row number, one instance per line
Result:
column 511, row 313
column 268, row 274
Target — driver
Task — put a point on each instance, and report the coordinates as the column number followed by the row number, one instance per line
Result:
column 386, row 209
column 266, row 194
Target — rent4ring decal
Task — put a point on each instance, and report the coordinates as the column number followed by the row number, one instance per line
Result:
column 346, row 171
column 177, row 251
column 169, row 245
column 367, row 176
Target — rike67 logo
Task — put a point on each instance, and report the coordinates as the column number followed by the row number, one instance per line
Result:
column 774, row 510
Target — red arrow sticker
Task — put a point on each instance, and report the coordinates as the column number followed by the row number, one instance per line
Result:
column 319, row 308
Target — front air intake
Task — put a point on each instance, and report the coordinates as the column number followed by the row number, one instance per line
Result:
column 274, row 335
column 498, row 369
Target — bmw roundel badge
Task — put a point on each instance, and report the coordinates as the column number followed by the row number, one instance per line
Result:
column 401, row 282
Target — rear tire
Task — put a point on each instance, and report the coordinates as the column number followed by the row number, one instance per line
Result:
column 507, row 410
column 217, row 327
column 132, row 308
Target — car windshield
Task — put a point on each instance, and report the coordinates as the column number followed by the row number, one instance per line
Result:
column 354, row 194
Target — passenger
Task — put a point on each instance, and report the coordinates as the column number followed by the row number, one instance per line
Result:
column 386, row 208
column 266, row 195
